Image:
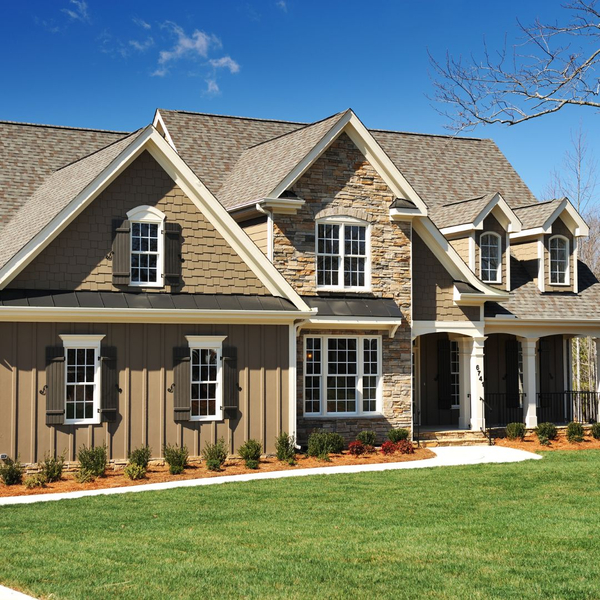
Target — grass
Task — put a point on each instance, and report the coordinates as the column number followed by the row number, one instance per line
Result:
column 524, row 530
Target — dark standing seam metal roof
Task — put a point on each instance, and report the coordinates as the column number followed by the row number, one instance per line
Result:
column 336, row 306
column 143, row 300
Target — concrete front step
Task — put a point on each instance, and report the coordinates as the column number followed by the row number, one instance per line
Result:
column 452, row 438
column 451, row 442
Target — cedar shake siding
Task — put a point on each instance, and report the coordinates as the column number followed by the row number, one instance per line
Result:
column 527, row 255
column 144, row 365
column 80, row 257
column 434, row 289
column 461, row 245
column 257, row 232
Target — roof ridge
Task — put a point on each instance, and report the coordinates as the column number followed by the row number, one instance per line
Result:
column 63, row 127
column 467, row 200
column 439, row 135
column 539, row 203
column 201, row 114
column 296, row 130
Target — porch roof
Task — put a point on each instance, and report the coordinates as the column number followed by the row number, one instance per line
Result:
column 344, row 306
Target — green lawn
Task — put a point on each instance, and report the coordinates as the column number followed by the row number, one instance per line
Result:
column 525, row 530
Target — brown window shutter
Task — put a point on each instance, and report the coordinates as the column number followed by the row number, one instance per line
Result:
column 231, row 387
column 182, row 383
column 172, row 271
column 109, row 399
column 512, row 374
column 121, row 252
column 444, row 376
column 55, row 380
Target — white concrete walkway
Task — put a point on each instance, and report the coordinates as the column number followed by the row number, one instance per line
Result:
column 445, row 457
column 8, row 594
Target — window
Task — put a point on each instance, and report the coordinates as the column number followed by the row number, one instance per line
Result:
column 454, row 374
column 206, row 377
column 82, row 378
column 559, row 260
column 342, row 254
column 491, row 258
column 342, row 375
column 146, row 246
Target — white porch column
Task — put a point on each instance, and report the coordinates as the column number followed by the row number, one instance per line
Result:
column 529, row 346
column 597, row 340
column 476, row 378
column 465, row 348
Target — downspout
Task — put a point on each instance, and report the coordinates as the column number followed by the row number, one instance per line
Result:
column 269, row 214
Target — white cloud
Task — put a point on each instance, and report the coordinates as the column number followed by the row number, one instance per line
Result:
column 79, row 12
column 212, row 88
column 225, row 62
column 282, row 5
column 142, row 46
column 141, row 23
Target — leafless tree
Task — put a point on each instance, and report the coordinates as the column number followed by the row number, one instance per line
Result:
column 550, row 67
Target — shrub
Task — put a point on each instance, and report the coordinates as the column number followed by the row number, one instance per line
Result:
column 515, row 431
column 395, row 435
column 321, row 444
column 11, row 472
column 215, row 454
column 250, row 451
column 134, row 471
column 176, row 457
column 285, row 447
column 388, row 448
column 405, row 447
column 141, row 456
column 368, row 438
column 575, row 432
column 84, row 476
column 52, row 467
column 546, row 430
column 357, row 448
column 596, row 431
column 92, row 460
column 543, row 439
column 36, row 480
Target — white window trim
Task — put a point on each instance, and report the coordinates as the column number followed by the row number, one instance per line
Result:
column 344, row 220
column 87, row 342
column 148, row 214
column 209, row 342
column 567, row 281
column 500, row 266
column 359, row 378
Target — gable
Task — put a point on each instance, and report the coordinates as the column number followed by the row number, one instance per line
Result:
column 79, row 258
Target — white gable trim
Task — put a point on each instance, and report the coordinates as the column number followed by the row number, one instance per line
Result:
column 160, row 126
column 194, row 189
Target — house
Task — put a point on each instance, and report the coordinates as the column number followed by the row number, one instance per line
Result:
column 211, row 276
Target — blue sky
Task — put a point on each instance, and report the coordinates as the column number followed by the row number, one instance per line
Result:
column 109, row 64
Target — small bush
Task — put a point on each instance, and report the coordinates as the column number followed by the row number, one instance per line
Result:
column 134, row 471
column 546, row 430
column 405, row 447
column 356, row 448
column 92, row 460
column 176, row 457
column 369, row 449
column 395, row 435
column 368, row 438
column 251, row 463
column 84, row 476
column 596, row 431
column 575, row 432
column 52, row 467
column 515, row 431
column 543, row 439
column 141, row 456
column 388, row 448
column 285, row 447
column 250, row 451
column 321, row 444
column 11, row 472
column 37, row 480
column 215, row 453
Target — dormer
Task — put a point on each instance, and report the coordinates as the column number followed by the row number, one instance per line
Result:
column 479, row 230
column 547, row 244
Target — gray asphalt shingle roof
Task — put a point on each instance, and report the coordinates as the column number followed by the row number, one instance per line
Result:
column 458, row 213
column 536, row 214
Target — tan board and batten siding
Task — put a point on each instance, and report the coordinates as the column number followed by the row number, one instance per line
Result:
column 145, row 365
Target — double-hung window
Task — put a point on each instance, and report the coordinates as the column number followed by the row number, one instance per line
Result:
column 82, row 378
column 559, row 260
column 490, row 245
column 342, row 375
column 342, row 254
column 146, row 246
column 206, row 378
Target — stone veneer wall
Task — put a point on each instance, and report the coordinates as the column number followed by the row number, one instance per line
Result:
column 342, row 182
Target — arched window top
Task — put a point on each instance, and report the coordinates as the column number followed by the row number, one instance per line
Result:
column 490, row 245
column 559, row 260
column 343, row 219
column 146, row 213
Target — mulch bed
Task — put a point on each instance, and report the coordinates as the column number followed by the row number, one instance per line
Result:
column 160, row 473
column 532, row 444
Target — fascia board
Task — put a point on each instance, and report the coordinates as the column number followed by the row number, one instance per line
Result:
column 524, row 233
column 465, row 228
column 159, row 124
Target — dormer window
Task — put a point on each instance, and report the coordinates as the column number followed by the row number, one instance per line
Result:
column 490, row 245
column 146, row 246
column 559, row 260
column 342, row 254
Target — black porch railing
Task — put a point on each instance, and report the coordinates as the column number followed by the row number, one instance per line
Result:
column 503, row 408
column 562, row 407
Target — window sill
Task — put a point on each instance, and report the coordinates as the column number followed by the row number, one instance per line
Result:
column 567, row 284
column 83, row 422
column 211, row 419
column 345, row 416
column 328, row 288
